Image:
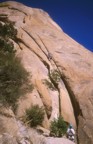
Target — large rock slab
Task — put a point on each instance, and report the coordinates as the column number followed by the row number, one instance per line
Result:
column 39, row 35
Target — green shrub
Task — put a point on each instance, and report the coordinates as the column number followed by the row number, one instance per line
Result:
column 35, row 115
column 14, row 81
column 8, row 30
column 49, row 84
column 58, row 127
column 6, row 46
column 55, row 76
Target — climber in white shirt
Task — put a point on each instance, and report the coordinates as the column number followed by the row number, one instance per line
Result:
column 71, row 133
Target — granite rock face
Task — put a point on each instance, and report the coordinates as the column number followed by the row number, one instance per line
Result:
column 46, row 50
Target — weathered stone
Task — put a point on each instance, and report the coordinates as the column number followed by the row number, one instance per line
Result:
column 5, row 111
column 43, row 131
column 8, row 125
column 7, row 139
column 40, row 139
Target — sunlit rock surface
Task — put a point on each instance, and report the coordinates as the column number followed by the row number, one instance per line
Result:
column 41, row 37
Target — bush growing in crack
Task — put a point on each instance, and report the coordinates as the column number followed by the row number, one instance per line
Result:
column 55, row 76
column 49, row 84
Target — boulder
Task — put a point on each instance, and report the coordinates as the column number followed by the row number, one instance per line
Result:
column 43, row 131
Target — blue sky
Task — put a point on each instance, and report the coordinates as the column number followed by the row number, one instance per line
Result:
column 75, row 17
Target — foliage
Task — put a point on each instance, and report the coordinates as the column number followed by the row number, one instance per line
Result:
column 49, row 84
column 58, row 127
column 6, row 46
column 35, row 115
column 13, row 77
column 55, row 76
column 7, row 30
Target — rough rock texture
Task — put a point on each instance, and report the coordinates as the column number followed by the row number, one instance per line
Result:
column 41, row 37
column 7, row 122
column 58, row 141
column 7, row 139
column 39, row 139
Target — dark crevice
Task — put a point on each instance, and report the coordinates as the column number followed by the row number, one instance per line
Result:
column 20, row 46
column 43, row 44
column 46, row 65
column 52, row 80
column 56, row 86
column 49, row 55
column 21, row 41
column 77, row 110
column 49, row 74
column 45, row 106
column 35, row 41
column 59, row 102
column 17, row 10
column 44, row 62
column 75, row 104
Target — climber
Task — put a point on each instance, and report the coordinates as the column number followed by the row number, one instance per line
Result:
column 71, row 133
column 49, row 56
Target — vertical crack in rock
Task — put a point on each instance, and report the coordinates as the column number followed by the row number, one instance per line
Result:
column 51, row 79
column 59, row 102
column 75, row 104
column 43, row 44
column 44, row 62
column 54, row 83
column 48, row 67
column 45, row 106
column 77, row 110
column 35, row 41
column 56, row 86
